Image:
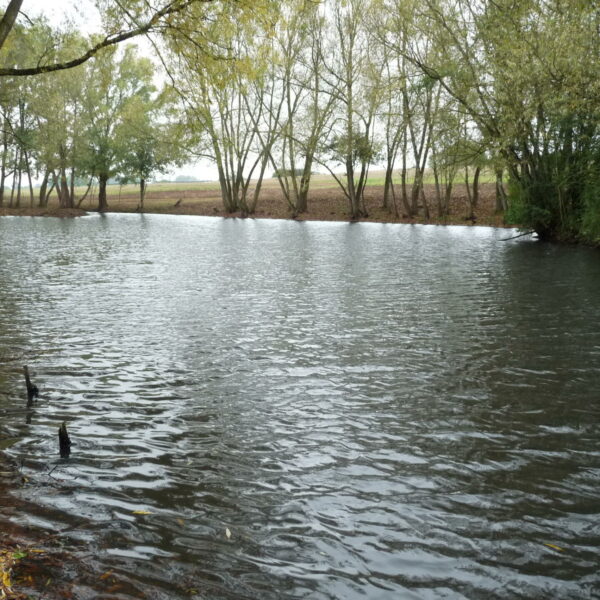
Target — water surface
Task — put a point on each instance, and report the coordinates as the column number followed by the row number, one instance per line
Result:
column 306, row 410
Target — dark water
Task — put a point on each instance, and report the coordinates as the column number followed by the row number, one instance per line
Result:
column 369, row 411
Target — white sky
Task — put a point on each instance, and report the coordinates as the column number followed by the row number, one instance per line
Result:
column 82, row 13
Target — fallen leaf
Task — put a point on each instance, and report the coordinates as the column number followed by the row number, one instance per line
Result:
column 141, row 512
column 106, row 575
column 555, row 547
column 227, row 532
column 6, row 580
column 181, row 522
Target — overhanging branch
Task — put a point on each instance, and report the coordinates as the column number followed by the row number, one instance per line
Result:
column 170, row 9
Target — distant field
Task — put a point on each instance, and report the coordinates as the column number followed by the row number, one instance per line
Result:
column 318, row 181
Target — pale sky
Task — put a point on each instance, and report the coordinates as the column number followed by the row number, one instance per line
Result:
column 82, row 13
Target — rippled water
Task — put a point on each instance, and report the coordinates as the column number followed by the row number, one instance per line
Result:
column 306, row 410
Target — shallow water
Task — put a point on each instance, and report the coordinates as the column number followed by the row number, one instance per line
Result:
column 306, row 410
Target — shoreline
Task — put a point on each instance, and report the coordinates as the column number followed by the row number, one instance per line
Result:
column 70, row 213
column 51, row 211
column 324, row 204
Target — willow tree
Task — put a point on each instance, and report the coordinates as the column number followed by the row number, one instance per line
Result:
column 307, row 103
column 352, row 75
column 527, row 73
column 222, row 74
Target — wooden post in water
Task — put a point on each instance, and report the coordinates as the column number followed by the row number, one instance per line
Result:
column 64, row 441
column 32, row 390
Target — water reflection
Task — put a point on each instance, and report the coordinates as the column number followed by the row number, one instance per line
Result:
column 369, row 410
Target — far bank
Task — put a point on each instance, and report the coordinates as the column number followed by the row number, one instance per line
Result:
column 325, row 203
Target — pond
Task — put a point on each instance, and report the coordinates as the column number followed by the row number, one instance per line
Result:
column 286, row 410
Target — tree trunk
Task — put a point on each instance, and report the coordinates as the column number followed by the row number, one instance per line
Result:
column 72, row 187
column 42, row 199
column 18, row 202
column 476, row 187
column 8, row 19
column 353, row 209
column 28, row 170
column 405, row 203
column 470, row 214
column 12, row 189
column 447, row 196
column 66, row 200
column 302, row 201
column 102, row 203
column 438, row 191
column 416, row 191
column 87, row 191
column 387, row 188
column 4, row 163
column 142, row 193
column 62, row 202
column 501, row 201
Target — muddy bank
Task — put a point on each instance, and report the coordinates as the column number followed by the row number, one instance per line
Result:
column 41, row 563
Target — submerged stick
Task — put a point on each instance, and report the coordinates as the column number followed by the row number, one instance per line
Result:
column 64, row 441
column 32, row 390
column 514, row 237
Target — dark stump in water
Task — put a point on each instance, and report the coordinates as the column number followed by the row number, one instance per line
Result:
column 32, row 389
column 64, row 441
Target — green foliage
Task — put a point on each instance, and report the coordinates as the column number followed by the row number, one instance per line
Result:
column 560, row 198
column 523, row 211
column 358, row 147
column 590, row 221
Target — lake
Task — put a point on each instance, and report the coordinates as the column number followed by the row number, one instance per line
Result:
column 284, row 410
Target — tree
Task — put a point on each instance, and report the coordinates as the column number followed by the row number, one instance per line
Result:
column 352, row 78
column 230, row 100
column 113, row 82
column 307, row 105
column 61, row 143
column 148, row 141
column 526, row 73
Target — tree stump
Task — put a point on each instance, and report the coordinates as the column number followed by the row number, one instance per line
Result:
column 32, row 390
column 64, row 441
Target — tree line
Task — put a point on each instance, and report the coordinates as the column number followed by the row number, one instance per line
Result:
column 455, row 87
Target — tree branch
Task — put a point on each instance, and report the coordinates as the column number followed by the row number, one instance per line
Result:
column 172, row 8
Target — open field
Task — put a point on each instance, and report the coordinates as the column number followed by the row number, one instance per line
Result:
column 326, row 202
